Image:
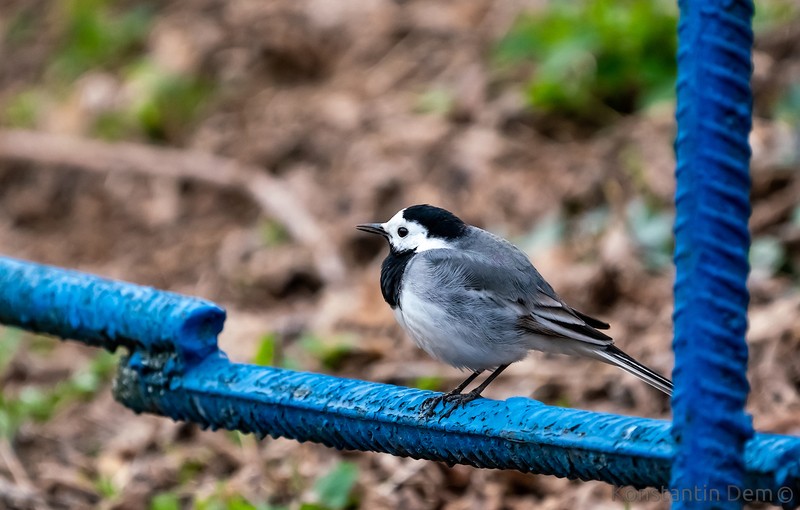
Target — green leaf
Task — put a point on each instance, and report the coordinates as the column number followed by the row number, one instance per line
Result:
column 190, row 469
column 595, row 56
column 39, row 404
column 165, row 101
column 273, row 233
column 329, row 351
column 221, row 500
column 36, row 403
column 87, row 382
column 334, row 489
column 436, row 101
column 10, row 340
column 239, row 503
column 22, row 110
column 113, row 125
column 428, row 383
column 775, row 13
column 94, row 35
column 165, row 501
column 265, row 356
column 105, row 486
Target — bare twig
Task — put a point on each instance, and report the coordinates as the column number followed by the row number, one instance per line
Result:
column 271, row 194
column 13, row 465
column 22, row 493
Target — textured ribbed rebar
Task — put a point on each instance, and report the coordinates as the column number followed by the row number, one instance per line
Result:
column 106, row 313
column 518, row 433
column 711, row 250
column 350, row 414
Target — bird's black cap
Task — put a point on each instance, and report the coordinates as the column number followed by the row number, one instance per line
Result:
column 439, row 222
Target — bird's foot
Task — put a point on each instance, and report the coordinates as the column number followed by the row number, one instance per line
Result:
column 427, row 409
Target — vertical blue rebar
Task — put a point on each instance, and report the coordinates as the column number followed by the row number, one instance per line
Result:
column 711, row 252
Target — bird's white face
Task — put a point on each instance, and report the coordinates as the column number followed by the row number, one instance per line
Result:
column 406, row 235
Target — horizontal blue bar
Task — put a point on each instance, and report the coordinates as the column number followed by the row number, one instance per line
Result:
column 518, row 433
column 106, row 313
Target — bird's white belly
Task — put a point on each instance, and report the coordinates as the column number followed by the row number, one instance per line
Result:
column 449, row 339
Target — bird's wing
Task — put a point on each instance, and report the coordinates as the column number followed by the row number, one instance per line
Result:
column 507, row 277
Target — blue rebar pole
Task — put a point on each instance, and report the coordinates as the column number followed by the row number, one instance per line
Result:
column 710, row 426
column 176, row 370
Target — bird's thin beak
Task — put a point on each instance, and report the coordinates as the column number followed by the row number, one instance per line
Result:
column 373, row 228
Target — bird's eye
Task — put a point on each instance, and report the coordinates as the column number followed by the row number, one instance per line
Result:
column 402, row 231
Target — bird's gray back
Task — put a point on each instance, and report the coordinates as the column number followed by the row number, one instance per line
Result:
column 482, row 303
column 502, row 268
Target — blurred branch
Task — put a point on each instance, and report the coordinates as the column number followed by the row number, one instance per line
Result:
column 21, row 493
column 13, row 465
column 270, row 193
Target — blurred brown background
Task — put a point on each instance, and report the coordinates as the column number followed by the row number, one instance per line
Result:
column 226, row 149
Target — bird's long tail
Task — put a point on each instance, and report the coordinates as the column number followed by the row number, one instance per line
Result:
column 614, row 356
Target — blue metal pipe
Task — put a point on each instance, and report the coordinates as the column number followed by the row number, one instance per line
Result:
column 710, row 426
column 164, row 374
column 518, row 433
column 106, row 313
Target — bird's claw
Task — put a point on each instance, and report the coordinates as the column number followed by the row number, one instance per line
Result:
column 456, row 399
column 428, row 405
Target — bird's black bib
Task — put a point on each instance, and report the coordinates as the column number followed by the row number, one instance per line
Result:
column 394, row 265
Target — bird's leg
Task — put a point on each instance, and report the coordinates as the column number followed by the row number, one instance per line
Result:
column 458, row 389
column 497, row 371
column 464, row 398
column 428, row 405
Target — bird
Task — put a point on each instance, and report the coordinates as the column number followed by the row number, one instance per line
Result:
column 475, row 301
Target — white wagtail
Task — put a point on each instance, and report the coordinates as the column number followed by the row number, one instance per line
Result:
column 475, row 301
